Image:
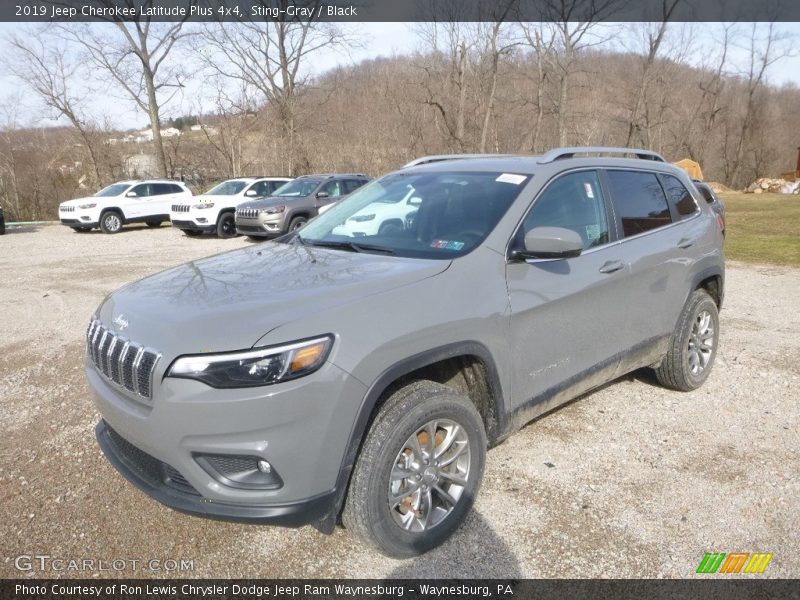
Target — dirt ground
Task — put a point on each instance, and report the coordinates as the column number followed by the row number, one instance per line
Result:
column 629, row 481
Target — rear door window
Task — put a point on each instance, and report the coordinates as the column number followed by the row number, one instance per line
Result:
column 639, row 201
column 161, row 189
column 679, row 196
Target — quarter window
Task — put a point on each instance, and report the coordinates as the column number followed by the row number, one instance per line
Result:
column 679, row 196
column 639, row 201
column 574, row 201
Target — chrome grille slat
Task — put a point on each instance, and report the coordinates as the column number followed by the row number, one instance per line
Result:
column 247, row 213
column 128, row 365
column 180, row 208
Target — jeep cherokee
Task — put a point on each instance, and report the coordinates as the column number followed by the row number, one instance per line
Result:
column 122, row 203
column 293, row 204
column 332, row 377
column 214, row 210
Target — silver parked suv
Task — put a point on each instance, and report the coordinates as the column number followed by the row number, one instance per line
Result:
column 293, row 204
column 347, row 376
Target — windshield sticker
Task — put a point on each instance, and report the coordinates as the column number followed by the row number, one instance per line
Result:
column 593, row 232
column 511, row 178
column 447, row 245
column 589, row 191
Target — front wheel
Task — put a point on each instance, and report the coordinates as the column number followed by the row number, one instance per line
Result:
column 111, row 222
column 418, row 472
column 693, row 346
column 226, row 226
column 153, row 223
column 297, row 223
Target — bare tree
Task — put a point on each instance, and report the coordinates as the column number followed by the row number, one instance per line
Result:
column 542, row 47
column 763, row 51
column 573, row 23
column 272, row 57
column 135, row 54
column 51, row 71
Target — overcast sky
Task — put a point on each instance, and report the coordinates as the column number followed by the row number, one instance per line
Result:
column 378, row 39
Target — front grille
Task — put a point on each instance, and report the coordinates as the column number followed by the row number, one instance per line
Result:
column 179, row 208
column 128, row 364
column 148, row 467
column 247, row 213
column 67, row 209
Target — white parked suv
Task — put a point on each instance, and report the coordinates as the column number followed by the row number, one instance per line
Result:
column 122, row 203
column 392, row 213
column 215, row 210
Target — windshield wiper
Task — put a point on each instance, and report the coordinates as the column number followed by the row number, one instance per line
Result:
column 351, row 246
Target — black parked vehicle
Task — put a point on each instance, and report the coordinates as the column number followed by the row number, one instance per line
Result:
column 2, row 221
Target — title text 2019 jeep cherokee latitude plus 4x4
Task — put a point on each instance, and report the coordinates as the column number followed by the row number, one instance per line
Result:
column 328, row 376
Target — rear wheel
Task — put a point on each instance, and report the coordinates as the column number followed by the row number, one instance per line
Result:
column 153, row 223
column 693, row 346
column 297, row 223
column 226, row 225
column 418, row 472
column 111, row 222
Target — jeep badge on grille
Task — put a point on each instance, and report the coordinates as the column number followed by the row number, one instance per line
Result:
column 121, row 322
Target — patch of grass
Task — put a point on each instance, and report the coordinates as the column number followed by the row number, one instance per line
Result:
column 763, row 228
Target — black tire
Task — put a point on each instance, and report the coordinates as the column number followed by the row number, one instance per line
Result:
column 226, row 225
column 296, row 223
column 153, row 223
column 111, row 221
column 390, row 228
column 676, row 370
column 192, row 232
column 367, row 511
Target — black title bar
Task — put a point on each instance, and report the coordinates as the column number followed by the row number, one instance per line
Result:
column 400, row 10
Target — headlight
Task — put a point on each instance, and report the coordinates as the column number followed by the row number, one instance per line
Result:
column 360, row 218
column 273, row 210
column 92, row 205
column 203, row 205
column 251, row 368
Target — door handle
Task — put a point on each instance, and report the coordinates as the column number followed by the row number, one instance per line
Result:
column 611, row 266
column 685, row 243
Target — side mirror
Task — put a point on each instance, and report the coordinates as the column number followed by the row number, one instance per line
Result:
column 550, row 242
column 131, row 195
column 415, row 201
column 250, row 193
column 322, row 195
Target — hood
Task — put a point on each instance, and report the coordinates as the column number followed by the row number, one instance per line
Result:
column 86, row 200
column 230, row 301
column 270, row 201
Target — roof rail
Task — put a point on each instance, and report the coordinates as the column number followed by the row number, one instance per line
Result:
column 570, row 152
column 424, row 160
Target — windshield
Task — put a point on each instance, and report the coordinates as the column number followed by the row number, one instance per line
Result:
column 227, row 188
column 299, row 188
column 115, row 189
column 425, row 215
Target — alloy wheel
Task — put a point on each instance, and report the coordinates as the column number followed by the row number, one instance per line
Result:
column 701, row 342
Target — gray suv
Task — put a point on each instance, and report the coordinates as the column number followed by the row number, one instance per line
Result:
column 293, row 204
column 335, row 377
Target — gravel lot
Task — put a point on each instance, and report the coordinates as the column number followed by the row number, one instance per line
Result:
column 630, row 481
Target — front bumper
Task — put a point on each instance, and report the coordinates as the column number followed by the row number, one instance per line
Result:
column 193, row 225
column 300, row 427
column 152, row 477
column 73, row 220
column 263, row 225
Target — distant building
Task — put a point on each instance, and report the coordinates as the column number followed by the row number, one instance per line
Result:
column 141, row 166
column 170, row 132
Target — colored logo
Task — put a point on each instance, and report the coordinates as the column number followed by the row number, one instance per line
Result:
column 734, row 562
